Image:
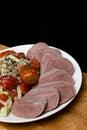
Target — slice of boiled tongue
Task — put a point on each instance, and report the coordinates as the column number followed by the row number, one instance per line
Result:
column 51, row 94
column 30, row 108
column 41, row 52
column 55, row 75
column 39, row 45
column 58, row 62
column 66, row 89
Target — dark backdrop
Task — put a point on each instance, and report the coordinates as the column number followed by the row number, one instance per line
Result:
column 57, row 27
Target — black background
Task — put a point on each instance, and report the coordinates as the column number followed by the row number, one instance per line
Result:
column 62, row 27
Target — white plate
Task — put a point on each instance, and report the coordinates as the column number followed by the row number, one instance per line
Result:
column 78, row 81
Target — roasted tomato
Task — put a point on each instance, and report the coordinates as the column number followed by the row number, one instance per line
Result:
column 29, row 75
column 2, row 54
column 35, row 63
column 8, row 83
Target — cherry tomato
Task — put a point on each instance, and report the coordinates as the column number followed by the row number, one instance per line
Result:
column 9, row 83
column 29, row 75
column 20, row 55
column 29, row 69
column 35, row 63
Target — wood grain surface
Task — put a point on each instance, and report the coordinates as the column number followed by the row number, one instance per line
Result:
column 72, row 117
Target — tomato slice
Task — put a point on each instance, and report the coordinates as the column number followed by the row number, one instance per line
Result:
column 18, row 55
column 3, row 97
column 2, row 54
column 14, row 95
column 8, row 82
column 1, row 105
column 24, row 88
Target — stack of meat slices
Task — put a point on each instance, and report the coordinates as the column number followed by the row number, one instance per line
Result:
column 55, row 86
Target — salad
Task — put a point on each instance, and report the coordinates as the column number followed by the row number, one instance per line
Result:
column 17, row 76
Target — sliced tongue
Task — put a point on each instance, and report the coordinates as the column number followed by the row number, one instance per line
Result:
column 55, row 75
column 30, row 108
column 51, row 94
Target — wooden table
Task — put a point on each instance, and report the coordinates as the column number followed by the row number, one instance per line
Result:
column 72, row 117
